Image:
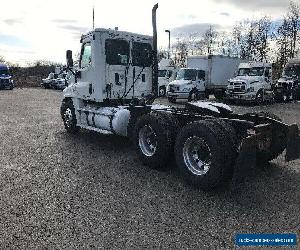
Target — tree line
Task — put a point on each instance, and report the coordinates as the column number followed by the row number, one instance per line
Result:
column 263, row 39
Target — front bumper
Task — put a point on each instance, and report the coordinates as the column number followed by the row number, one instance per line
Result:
column 241, row 96
column 178, row 95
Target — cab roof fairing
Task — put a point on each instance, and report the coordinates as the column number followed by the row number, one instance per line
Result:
column 117, row 33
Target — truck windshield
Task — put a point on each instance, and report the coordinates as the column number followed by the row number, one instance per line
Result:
column 187, row 74
column 256, row 71
column 243, row 72
column 292, row 71
column 162, row 73
column 4, row 72
column 141, row 54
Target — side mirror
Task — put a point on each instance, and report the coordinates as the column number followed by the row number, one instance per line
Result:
column 69, row 58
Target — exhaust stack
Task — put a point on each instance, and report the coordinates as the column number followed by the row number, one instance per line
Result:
column 155, row 60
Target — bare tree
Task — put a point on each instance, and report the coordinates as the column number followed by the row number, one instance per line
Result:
column 181, row 52
column 209, row 38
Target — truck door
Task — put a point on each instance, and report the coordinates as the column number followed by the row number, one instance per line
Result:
column 117, row 53
column 85, row 78
column 141, row 68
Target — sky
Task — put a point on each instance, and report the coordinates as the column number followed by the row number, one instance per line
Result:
column 43, row 30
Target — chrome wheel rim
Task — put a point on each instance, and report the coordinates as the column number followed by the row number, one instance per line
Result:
column 161, row 92
column 68, row 117
column 147, row 140
column 197, row 155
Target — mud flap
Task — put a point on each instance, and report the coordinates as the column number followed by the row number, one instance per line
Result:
column 246, row 161
column 293, row 143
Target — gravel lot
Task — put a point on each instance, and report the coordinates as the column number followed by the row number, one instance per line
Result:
column 91, row 191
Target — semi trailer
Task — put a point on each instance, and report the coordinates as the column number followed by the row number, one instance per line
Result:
column 113, row 91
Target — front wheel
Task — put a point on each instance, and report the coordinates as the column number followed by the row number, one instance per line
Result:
column 260, row 97
column 162, row 91
column 69, row 117
column 194, row 96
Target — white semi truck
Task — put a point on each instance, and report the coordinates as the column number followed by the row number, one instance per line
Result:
column 112, row 93
column 287, row 87
column 253, row 83
column 211, row 77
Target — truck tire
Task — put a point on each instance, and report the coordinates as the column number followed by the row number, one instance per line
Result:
column 202, row 155
column 162, row 91
column 278, row 97
column 193, row 96
column 154, row 136
column 259, row 99
column 219, row 95
column 67, row 112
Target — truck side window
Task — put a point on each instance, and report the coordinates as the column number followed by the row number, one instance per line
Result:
column 141, row 54
column 201, row 75
column 170, row 72
column 86, row 54
column 267, row 72
column 117, row 52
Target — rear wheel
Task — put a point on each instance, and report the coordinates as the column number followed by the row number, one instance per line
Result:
column 202, row 155
column 154, row 139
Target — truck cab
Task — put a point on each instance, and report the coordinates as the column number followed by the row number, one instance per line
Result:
column 252, row 83
column 6, row 81
column 189, row 84
column 288, row 86
column 112, row 65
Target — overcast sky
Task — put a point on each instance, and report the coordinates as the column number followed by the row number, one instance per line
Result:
column 35, row 29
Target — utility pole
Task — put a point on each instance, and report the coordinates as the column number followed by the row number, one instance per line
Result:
column 168, row 31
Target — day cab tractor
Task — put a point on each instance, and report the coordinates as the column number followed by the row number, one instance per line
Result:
column 287, row 87
column 113, row 91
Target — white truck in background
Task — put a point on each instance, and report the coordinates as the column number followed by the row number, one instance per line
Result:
column 253, row 83
column 166, row 74
column 287, row 87
column 213, row 71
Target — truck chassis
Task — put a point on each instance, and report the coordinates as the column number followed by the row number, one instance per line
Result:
column 211, row 144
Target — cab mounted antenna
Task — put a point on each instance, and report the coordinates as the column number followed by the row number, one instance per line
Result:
column 93, row 17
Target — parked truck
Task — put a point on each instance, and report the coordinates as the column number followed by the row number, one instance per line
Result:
column 203, row 76
column 288, row 86
column 56, row 80
column 253, row 83
column 113, row 91
column 6, row 81
column 166, row 74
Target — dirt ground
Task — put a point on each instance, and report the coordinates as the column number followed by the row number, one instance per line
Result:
column 91, row 191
